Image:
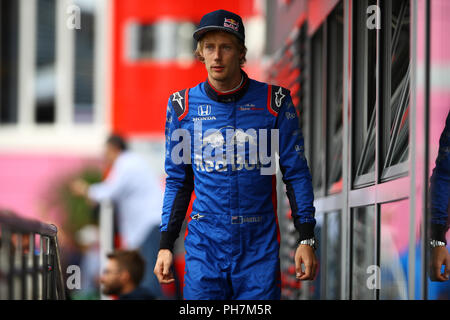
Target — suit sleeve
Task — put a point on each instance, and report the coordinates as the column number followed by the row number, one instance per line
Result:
column 440, row 187
column 178, row 188
column 294, row 168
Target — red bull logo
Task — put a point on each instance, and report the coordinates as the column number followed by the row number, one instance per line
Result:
column 231, row 23
column 227, row 148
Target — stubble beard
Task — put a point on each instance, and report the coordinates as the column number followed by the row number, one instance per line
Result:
column 113, row 289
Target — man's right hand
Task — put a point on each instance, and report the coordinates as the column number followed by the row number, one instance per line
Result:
column 163, row 267
column 440, row 256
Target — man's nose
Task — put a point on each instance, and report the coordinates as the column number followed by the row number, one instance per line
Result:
column 217, row 54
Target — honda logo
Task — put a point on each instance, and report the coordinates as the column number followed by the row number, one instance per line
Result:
column 204, row 110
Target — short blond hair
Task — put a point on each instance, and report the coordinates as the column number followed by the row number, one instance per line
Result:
column 241, row 46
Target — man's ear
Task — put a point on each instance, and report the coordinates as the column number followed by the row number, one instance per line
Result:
column 125, row 276
column 202, row 58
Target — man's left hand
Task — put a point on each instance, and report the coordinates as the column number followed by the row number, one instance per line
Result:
column 440, row 257
column 305, row 255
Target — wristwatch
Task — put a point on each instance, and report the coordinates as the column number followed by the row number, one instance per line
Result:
column 436, row 243
column 312, row 242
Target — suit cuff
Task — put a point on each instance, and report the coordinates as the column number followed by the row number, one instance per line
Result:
column 438, row 232
column 167, row 240
column 305, row 230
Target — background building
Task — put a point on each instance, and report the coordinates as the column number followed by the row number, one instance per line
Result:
column 372, row 102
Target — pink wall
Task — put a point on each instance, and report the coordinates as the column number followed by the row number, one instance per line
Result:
column 26, row 178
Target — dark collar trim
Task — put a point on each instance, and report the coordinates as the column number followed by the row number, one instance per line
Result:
column 228, row 96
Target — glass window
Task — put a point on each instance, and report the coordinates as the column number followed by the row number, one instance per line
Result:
column 363, row 254
column 396, row 87
column 302, row 80
column 163, row 40
column 334, row 101
column 9, row 39
column 364, row 91
column 317, row 94
column 146, row 41
column 84, row 66
column 394, row 248
column 332, row 256
column 45, row 61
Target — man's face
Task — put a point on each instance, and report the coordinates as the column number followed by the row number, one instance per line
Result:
column 110, row 154
column 112, row 278
column 221, row 56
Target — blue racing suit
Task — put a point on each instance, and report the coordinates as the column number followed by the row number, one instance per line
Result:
column 232, row 237
column 440, row 187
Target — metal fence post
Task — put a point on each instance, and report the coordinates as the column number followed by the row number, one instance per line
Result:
column 23, row 273
column 106, row 235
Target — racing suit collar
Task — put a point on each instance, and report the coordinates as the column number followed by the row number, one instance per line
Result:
column 232, row 96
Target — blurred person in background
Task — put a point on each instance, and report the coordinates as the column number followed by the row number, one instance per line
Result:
column 135, row 191
column 87, row 239
column 122, row 276
column 440, row 196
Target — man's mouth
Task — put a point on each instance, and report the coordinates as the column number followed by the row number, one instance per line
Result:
column 217, row 68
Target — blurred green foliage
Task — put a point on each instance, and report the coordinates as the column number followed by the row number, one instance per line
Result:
column 79, row 210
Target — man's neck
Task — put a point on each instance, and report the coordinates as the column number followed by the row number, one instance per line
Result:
column 225, row 87
column 127, row 288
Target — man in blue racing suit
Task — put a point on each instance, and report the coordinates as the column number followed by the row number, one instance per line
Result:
column 221, row 138
column 440, row 200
